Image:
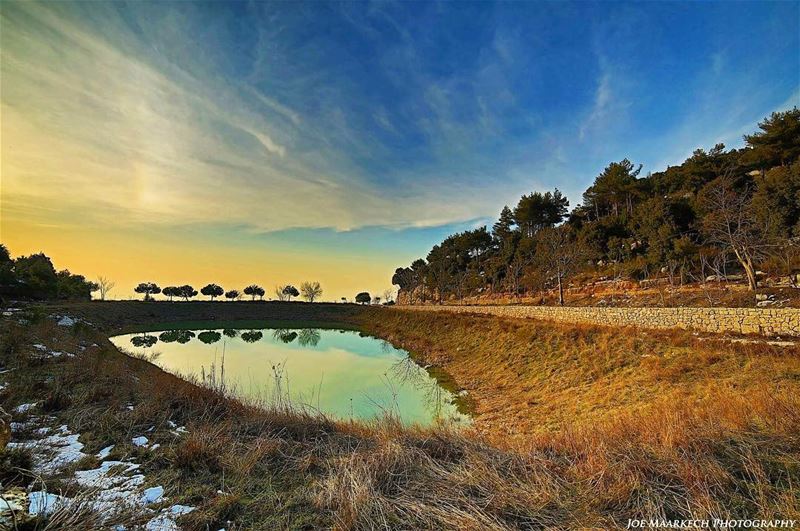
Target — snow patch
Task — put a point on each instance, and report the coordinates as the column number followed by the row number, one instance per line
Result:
column 67, row 321
column 24, row 408
column 153, row 494
column 44, row 503
column 105, row 452
column 114, row 487
column 166, row 520
column 180, row 430
column 140, row 441
column 55, row 451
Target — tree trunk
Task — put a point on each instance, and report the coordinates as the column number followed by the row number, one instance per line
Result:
column 749, row 269
column 560, row 292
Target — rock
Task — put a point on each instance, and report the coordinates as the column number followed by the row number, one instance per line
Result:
column 12, row 508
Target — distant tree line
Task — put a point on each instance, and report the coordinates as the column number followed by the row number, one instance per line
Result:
column 34, row 277
column 309, row 291
column 719, row 212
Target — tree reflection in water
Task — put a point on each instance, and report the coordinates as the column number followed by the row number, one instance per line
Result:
column 180, row 336
column 285, row 335
column 308, row 337
column 251, row 336
column 144, row 341
column 209, row 336
column 406, row 371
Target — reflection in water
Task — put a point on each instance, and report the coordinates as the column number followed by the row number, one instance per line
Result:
column 209, row 336
column 144, row 341
column 308, row 337
column 342, row 373
column 252, row 336
column 284, row 335
column 406, row 371
column 172, row 336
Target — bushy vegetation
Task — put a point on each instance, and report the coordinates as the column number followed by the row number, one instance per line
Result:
column 35, row 277
column 720, row 212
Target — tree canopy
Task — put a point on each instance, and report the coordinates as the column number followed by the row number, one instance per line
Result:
column 148, row 289
column 254, row 291
column 212, row 290
column 720, row 210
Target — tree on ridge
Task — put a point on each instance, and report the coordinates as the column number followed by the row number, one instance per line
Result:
column 311, row 291
column 212, row 290
column 148, row 289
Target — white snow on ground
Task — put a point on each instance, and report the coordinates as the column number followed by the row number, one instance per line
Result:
column 180, row 430
column 44, row 354
column 140, row 441
column 105, row 452
column 114, row 488
column 43, row 503
column 54, row 451
column 166, row 520
column 153, row 494
column 67, row 321
column 24, row 408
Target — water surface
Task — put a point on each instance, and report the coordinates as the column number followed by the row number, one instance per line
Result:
column 340, row 373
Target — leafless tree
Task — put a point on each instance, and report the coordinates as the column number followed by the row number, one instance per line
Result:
column 558, row 255
column 311, row 291
column 731, row 225
column 279, row 292
column 106, row 285
column 388, row 294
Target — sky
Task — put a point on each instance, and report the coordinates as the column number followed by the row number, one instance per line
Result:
column 274, row 143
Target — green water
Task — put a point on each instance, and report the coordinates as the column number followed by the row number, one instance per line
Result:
column 339, row 373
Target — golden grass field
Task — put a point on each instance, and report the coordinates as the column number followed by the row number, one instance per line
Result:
column 575, row 427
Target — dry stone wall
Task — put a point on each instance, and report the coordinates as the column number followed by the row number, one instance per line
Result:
column 764, row 321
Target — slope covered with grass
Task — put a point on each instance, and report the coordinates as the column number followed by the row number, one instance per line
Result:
column 632, row 426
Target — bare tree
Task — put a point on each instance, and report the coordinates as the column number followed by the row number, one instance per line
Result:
column 731, row 225
column 311, row 291
column 558, row 255
column 388, row 294
column 279, row 292
column 106, row 285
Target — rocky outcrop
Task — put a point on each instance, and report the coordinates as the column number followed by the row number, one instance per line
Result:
column 763, row 321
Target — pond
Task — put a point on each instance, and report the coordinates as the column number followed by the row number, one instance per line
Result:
column 340, row 373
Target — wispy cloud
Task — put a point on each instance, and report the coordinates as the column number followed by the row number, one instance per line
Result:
column 274, row 116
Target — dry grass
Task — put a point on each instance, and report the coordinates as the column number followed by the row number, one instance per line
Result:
column 529, row 376
column 609, row 426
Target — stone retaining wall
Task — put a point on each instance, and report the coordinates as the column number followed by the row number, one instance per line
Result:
column 765, row 321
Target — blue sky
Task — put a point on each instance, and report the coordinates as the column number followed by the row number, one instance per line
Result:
column 372, row 129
